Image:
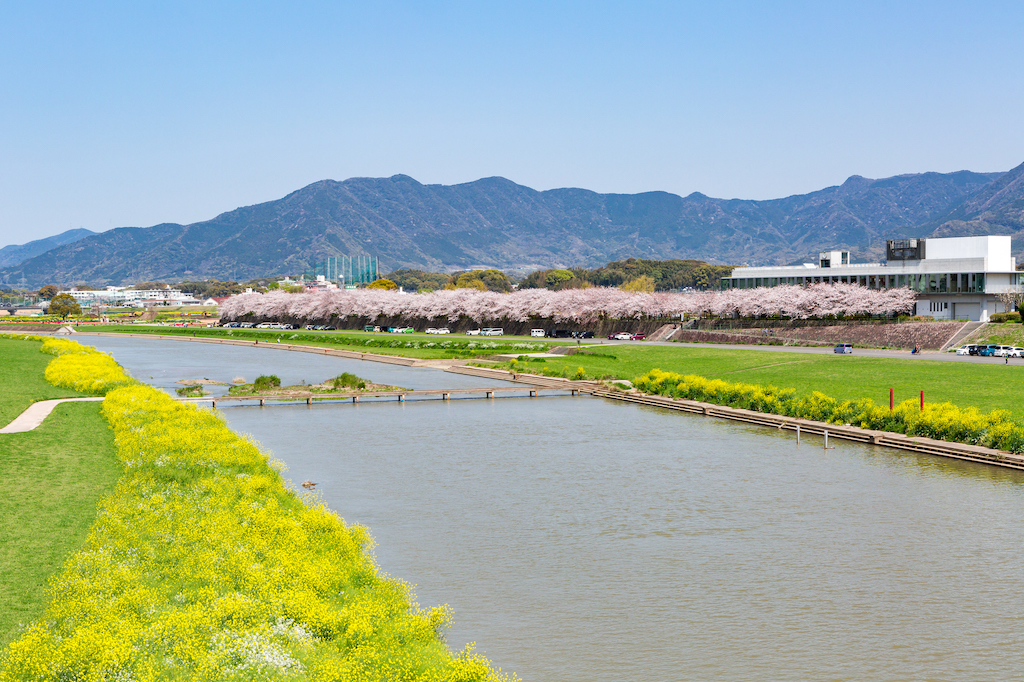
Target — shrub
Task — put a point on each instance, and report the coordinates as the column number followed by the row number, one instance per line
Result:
column 1004, row 317
column 347, row 380
column 943, row 421
column 265, row 382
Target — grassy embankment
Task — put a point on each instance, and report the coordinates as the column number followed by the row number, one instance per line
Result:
column 53, row 479
column 843, row 377
column 1008, row 334
column 987, row 387
column 403, row 345
column 201, row 565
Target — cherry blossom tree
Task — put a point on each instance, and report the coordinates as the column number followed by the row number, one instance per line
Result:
column 580, row 306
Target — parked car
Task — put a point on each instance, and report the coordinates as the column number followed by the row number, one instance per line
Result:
column 1003, row 351
column 583, row 335
column 265, row 325
column 988, row 351
column 974, row 349
column 473, row 332
column 844, row 348
column 329, row 328
column 536, row 332
column 492, row 331
column 621, row 336
column 639, row 336
column 1017, row 352
column 371, row 328
column 247, row 325
column 560, row 334
column 965, row 349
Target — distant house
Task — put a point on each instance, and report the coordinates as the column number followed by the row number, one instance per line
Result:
column 215, row 300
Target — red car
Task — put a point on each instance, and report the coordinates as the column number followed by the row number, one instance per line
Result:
column 640, row 336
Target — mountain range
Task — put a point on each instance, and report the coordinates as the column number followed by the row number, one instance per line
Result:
column 18, row 253
column 497, row 223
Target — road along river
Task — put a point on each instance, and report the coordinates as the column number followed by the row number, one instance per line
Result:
column 584, row 539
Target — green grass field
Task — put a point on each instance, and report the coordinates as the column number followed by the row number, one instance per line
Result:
column 21, row 375
column 987, row 387
column 52, row 480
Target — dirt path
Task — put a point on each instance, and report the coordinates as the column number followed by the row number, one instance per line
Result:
column 34, row 415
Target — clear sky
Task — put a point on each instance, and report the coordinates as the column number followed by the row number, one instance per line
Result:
column 130, row 113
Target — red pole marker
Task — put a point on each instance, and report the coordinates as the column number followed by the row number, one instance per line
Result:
column 922, row 401
column 890, row 400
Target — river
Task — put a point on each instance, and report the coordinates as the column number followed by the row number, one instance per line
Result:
column 582, row 539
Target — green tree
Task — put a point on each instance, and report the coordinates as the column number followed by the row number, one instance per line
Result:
column 468, row 280
column 702, row 277
column 556, row 277
column 535, row 280
column 64, row 305
column 419, row 280
column 48, row 292
column 382, row 283
column 643, row 284
column 495, row 280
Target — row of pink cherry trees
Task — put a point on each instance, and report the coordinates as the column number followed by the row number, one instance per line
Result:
column 572, row 305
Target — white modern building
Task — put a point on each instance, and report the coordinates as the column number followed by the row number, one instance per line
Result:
column 957, row 278
column 133, row 297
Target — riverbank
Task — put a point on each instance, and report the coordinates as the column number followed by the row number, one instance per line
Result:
column 421, row 347
column 54, row 477
column 987, row 386
column 800, row 427
column 202, row 565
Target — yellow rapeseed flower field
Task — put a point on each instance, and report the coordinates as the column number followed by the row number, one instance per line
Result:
column 203, row 566
column 943, row 421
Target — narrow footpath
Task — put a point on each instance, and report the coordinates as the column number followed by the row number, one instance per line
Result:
column 34, row 415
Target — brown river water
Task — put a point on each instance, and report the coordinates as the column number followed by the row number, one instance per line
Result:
column 584, row 539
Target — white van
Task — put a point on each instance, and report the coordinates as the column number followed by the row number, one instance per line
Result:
column 536, row 332
column 492, row 331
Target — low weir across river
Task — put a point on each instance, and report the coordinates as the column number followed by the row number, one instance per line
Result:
column 401, row 396
column 604, row 540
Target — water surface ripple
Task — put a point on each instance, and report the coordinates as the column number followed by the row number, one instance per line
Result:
column 582, row 539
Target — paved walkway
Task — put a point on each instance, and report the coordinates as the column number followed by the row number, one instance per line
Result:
column 37, row 412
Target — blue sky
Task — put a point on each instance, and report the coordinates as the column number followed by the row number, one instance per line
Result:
column 117, row 114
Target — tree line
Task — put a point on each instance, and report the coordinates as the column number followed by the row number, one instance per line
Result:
column 632, row 274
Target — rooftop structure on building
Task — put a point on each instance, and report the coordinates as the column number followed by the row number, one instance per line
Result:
column 956, row 278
